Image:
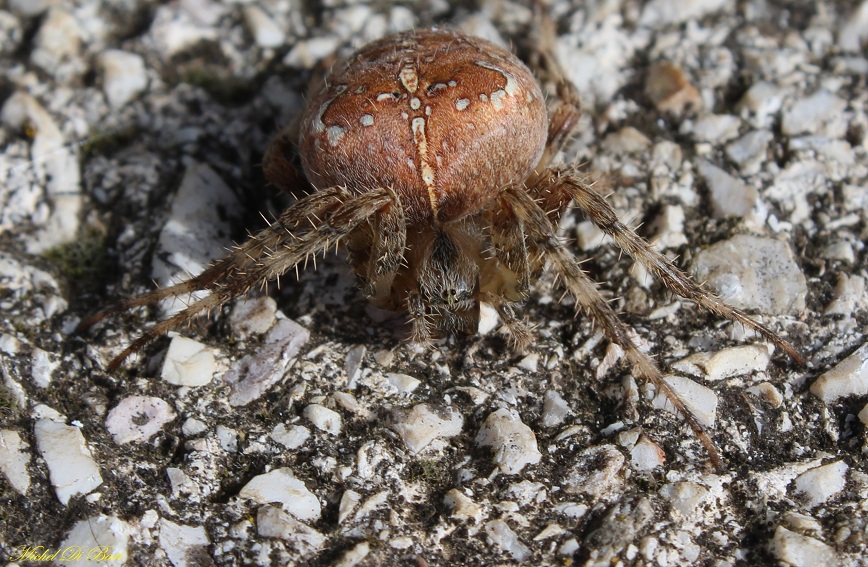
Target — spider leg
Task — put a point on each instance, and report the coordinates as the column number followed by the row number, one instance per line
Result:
column 566, row 181
column 387, row 248
column 588, row 298
column 265, row 256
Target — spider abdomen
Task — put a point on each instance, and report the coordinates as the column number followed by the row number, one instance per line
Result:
column 442, row 118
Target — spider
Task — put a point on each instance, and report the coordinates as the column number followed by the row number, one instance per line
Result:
column 430, row 155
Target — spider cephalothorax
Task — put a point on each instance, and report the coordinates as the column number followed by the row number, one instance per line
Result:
column 429, row 153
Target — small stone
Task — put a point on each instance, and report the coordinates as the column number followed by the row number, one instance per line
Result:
column 252, row 316
column 71, row 465
column 188, row 363
column 662, row 12
column 252, row 375
column 488, row 318
column 597, row 472
column 463, row 508
column 227, row 438
column 30, row 8
column 854, row 30
column 43, row 365
column 797, row 550
column 699, row 400
column 819, row 484
column 752, row 272
column 354, row 556
column 291, row 437
column 107, row 534
column 272, row 521
column 762, row 101
column 714, row 128
column 264, row 28
column 685, row 496
column 193, row 427
column 138, row 418
column 802, row 523
column 353, row 363
column 555, row 409
column 667, row 229
column 847, row 295
column 729, row 196
column 14, row 460
column 307, row 53
column 626, row 141
column 57, row 41
column 646, row 455
column 750, row 151
column 503, row 537
column 589, row 237
column 670, row 90
column 767, row 392
column 404, row 383
column 726, row 363
column 514, row 443
column 821, row 114
column 281, row 485
column 183, row 544
column 349, row 502
column 421, row 425
column 848, row 378
column 323, row 418
column 124, row 76
column 840, row 250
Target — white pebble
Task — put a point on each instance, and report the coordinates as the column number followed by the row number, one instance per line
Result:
column 821, row 114
column 323, row 418
column 597, row 472
column 188, row 363
column 735, row 361
column 404, row 383
column 353, row 363
column 728, row 195
column 252, row 375
column 462, row 507
column 847, row 295
column 819, row 484
column 699, row 400
column 715, row 128
column 752, row 272
column 349, row 502
column 659, row 12
column 488, row 318
column 183, row 544
column 71, row 466
column 281, row 485
column 555, row 409
column 797, row 550
column 307, row 53
column 124, row 76
column 768, row 392
column 354, row 556
column 863, row 415
column 272, row 521
column 57, row 41
column 685, row 497
column 667, row 229
column 848, row 378
column 138, row 418
column 646, row 455
column 106, row 539
column 196, row 232
column 252, row 316
column 264, row 28
column 854, row 30
column 750, row 151
column 291, row 437
column 513, row 442
column 503, row 537
column 14, row 460
column 421, row 425
column 43, row 365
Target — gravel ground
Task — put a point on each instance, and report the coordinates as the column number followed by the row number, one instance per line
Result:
column 295, row 427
